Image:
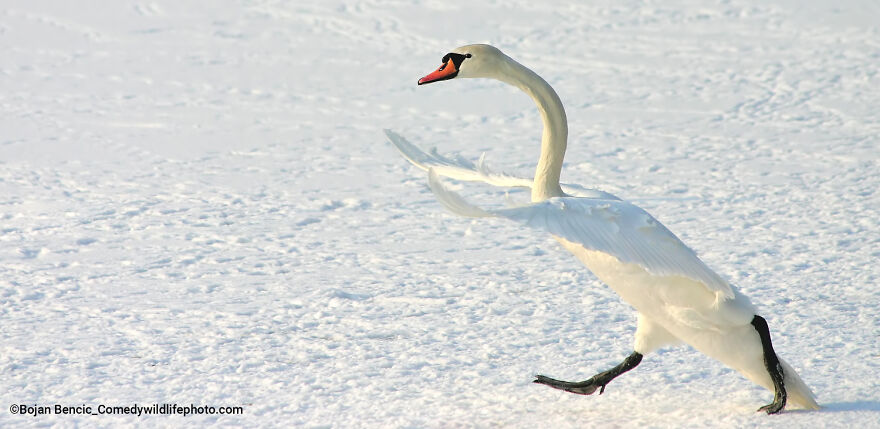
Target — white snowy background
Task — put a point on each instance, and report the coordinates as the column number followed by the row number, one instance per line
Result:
column 198, row 206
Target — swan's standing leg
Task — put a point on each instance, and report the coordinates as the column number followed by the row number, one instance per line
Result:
column 771, row 362
column 598, row 381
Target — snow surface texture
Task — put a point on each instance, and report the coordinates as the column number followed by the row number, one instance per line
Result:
column 199, row 206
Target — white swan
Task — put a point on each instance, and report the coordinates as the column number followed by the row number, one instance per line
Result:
column 678, row 298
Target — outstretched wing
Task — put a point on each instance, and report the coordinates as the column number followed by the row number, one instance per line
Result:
column 462, row 169
column 458, row 169
column 614, row 227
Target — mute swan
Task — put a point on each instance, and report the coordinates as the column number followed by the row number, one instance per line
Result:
column 677, row 297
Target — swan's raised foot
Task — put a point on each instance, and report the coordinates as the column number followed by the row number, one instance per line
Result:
column 586, row 387
column 598, row 381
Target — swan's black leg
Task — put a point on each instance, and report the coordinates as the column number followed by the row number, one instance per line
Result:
column 598, row 381
column 771, row 362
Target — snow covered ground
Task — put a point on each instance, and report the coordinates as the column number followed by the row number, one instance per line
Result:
column 198, row 206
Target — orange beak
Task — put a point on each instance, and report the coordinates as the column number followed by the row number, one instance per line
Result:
column 446, row 71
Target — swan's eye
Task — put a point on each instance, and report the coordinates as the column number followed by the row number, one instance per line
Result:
column 456, row 59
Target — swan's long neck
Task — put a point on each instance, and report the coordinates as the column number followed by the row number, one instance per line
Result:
column 555, row 136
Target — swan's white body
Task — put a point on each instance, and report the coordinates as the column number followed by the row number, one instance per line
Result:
column 678, row 298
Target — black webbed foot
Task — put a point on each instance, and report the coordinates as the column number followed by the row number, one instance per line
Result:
column 598, row 381
column 586, row 387
column 774, row 407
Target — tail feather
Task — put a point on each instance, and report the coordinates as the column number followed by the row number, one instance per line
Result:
column 797, row 390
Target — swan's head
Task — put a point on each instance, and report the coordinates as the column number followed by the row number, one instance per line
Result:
column 468, row 61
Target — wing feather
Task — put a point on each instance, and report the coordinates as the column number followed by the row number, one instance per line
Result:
column 461, row 169
column 622, row 230
column 614, row 227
